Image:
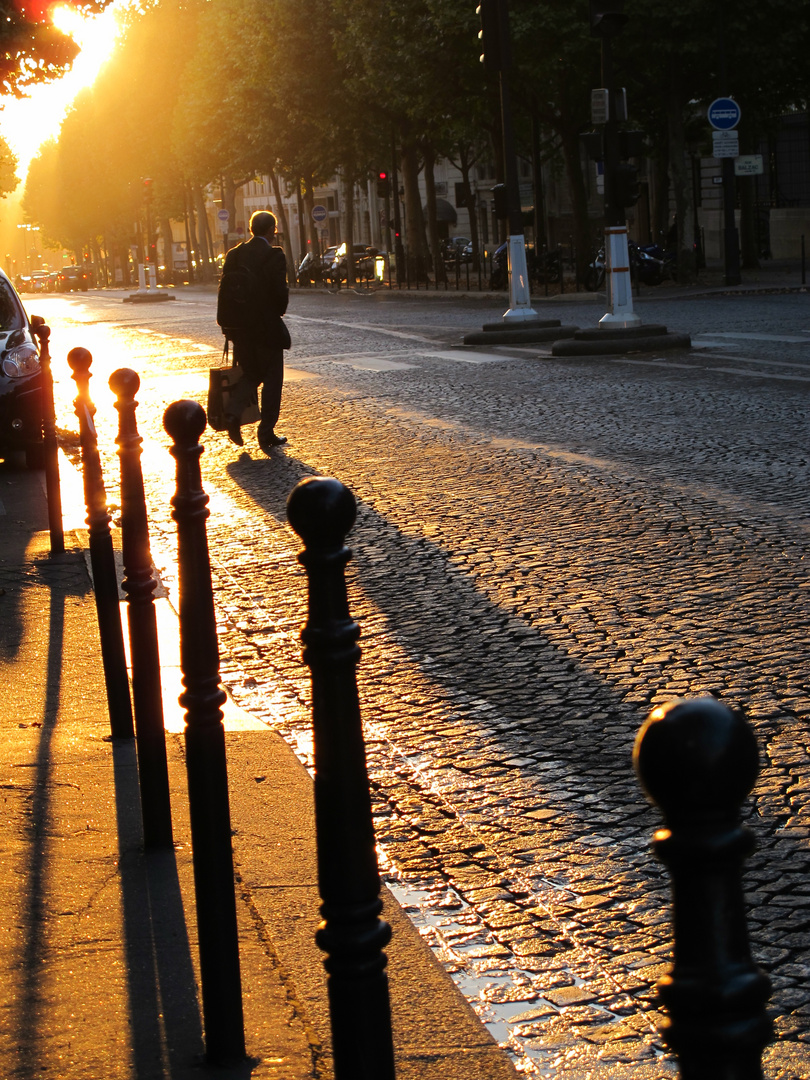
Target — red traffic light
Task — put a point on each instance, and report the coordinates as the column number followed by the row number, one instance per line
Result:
column 383, row 175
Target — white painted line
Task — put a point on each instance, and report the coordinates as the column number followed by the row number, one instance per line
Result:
column 362, row 326
column 784, row 338
column 360, row 362
column 467, row 357
column 761, row 374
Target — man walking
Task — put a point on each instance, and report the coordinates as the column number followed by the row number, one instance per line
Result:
column 261, row 336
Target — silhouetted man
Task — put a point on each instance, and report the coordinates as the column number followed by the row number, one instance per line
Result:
column 260, row 340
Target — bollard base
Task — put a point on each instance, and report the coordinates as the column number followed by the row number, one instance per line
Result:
column 525, row 334
column 617, row 340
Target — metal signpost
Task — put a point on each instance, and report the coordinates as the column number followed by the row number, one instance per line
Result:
column 223, row 219
column 724, row 115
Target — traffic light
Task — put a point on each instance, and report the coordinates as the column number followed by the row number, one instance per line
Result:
column 382, row 185
column 607, row 17
column 490, row 34
column 625, row 184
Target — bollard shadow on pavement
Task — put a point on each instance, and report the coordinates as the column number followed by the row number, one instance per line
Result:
column 164, row 1010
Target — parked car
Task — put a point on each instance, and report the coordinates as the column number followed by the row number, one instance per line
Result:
column 75, row 278
column 20, row 380
column 457, row 249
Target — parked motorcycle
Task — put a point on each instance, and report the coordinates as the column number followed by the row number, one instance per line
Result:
column 595, row 274
column 310, row 272
column 645, row 268
column 499, row 277
column 669, row 259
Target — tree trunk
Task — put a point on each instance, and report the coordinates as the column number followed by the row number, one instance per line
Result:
column 312, row 228
column 660, row 189
column 681, row 181
column 416, row 248
column 302, row 216
column 465, row 164
column 284, row 229
column 347, row 176
column 583, row 242
column 433, row 224
column 192, row 261
column 749, row 246
column 204, row 264
column 168, row 249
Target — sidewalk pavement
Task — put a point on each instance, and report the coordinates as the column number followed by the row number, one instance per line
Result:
column 99, row 974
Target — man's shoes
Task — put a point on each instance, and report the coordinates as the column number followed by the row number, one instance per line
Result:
column 234, row 432
column 267, row 442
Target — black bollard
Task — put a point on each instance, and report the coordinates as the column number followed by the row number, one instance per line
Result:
column 50, row 445
column 697, row 760
column 205, row 747
column 322, row 510
column 139, row 584
column 102, row 557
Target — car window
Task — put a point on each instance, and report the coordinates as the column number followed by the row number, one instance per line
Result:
column 11, row 316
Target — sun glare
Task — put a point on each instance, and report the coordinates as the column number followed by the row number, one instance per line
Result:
column 27, row 122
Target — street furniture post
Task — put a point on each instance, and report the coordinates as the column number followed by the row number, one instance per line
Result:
column 206, row 768
column 322, row 511
column 50, row 444
column 139, row 585
column 102, row 557
column 697, row 761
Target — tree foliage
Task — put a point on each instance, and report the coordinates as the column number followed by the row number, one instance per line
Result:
column 218, row 91
column 34, row 50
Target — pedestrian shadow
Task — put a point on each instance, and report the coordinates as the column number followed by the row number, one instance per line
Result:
column 164, row 1011
column 437, row 614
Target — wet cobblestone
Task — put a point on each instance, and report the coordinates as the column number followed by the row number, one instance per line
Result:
column 522, row 607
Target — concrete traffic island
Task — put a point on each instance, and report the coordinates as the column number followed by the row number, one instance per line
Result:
column 528, row 331
column 609, row 340
column 148, row 297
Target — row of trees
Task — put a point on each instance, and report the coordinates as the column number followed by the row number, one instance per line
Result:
column 219, row 91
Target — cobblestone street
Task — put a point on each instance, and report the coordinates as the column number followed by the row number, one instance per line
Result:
column 544, row 550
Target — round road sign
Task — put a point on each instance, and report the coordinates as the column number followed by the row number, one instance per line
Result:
column 319, row 213
column 724, row 114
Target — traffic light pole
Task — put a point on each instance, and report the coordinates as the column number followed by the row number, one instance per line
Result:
column 617, row 251
column 520, row 304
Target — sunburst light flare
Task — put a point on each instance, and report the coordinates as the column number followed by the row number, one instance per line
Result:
column 27, row 122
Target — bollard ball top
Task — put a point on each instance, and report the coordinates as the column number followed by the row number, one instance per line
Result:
column 321, row 510
column 696, row 758
column 124, row 383
column 79, row 360
column 184, row 422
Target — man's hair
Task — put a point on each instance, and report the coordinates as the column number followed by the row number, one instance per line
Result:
column 263, row 223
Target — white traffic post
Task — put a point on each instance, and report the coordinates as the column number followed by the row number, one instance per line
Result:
column 141, row 278
column 152, row 283
column 520, row 303
column 619, row 285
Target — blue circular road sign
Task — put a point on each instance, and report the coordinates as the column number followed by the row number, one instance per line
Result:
column 319, row 213
column 724, row 114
